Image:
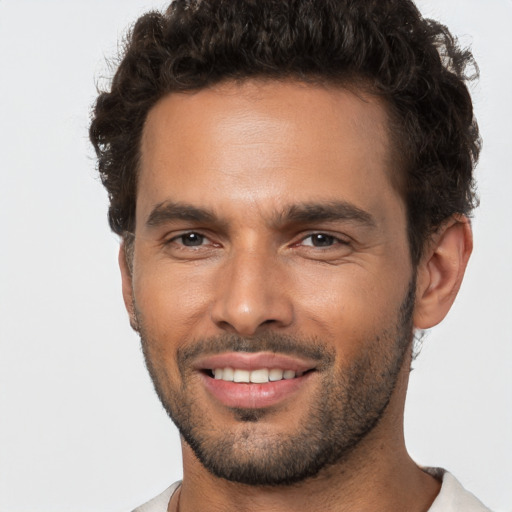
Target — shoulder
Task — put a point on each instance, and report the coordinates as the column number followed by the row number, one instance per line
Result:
column 160, row 502
column 453, row 497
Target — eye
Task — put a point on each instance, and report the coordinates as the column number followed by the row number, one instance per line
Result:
column 190, row 245
column 190, row 239
column 321, row 240
column 187, row 240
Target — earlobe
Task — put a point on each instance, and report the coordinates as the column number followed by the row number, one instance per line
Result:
column 441, row 270
column 126, row 279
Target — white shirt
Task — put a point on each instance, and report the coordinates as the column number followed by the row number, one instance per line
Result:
column 452, row 497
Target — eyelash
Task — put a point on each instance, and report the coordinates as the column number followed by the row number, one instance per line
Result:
column 178, row 240
column 334, row 239
column 183, row 235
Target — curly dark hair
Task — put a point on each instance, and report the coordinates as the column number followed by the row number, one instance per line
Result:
column 414, row 64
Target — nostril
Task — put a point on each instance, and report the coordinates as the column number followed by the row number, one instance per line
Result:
column 245, row 313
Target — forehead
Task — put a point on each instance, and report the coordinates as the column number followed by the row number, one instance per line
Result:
column 265, row 143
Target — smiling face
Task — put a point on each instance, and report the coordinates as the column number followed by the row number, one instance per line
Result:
column 271, row 283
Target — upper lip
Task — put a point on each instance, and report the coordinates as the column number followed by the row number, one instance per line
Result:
column 254, row 361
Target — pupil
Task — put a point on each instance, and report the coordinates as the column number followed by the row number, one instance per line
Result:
column 192, row 239
column 321, row 240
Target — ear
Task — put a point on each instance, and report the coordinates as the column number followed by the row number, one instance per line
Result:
column 126, row 279
column 441, row 270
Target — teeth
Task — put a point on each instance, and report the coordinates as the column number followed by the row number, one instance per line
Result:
column 242, row 376
column 289, row 374
column 260, row 376
column 228, row 374
column 275, row 374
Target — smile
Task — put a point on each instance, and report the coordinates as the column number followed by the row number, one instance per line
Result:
column 259, row 376
column 254, row 380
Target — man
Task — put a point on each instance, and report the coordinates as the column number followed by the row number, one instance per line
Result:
column 292, row 182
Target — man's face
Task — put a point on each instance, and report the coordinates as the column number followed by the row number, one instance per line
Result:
column 271, row 246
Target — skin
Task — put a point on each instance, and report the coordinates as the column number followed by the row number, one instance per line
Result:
column 246, row 152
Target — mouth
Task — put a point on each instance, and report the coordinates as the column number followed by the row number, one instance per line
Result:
column 254, row 380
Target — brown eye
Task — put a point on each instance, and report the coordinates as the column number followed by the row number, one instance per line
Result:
column 322, row 240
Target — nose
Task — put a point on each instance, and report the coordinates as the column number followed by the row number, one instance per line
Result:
column 252, row 295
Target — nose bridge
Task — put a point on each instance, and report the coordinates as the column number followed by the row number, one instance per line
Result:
column 251, row 293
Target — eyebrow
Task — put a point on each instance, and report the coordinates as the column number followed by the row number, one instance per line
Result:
column 305, row 213
column 301, row 213
column 169, row 211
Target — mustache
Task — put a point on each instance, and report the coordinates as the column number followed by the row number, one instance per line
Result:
column 310, row 348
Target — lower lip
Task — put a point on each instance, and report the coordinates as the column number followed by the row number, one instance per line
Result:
column 253, row 396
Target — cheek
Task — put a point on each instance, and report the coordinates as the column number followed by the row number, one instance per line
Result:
column 348, row 305
column 172, row 301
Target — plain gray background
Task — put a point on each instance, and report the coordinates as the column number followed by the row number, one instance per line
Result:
column 80, row 426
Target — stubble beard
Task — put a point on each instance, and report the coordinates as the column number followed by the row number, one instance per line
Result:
column 349, row 404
